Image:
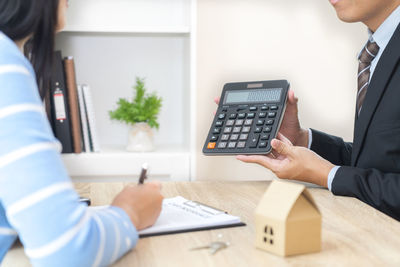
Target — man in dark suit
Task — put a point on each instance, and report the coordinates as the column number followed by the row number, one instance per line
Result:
column 369, row 167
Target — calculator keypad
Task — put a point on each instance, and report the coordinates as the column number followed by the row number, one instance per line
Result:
column 227, row 130
column 230, row 122
column 219, row 123
column 222, row 145
column 239, row 122
column 234, row 137
column 246, row 129
column 245, row 126
column 242, row 115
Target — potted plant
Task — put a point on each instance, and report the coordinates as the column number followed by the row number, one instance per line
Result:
column 141, row 114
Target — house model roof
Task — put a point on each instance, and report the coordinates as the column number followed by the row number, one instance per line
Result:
column 280, row 198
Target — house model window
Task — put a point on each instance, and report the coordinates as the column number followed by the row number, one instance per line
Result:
column 269, row 235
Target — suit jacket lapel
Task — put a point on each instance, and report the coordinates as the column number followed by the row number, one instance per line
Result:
column 376, row 88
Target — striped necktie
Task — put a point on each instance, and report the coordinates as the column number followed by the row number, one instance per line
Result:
column 367, row 55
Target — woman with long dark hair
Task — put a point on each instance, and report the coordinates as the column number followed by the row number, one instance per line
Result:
column 37, row 201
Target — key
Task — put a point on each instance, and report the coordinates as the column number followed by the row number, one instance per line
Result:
column 217, row 246
column 221, row 116
column 254, row 141
column 213, row 247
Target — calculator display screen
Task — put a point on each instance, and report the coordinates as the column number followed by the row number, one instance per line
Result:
column 253, row 96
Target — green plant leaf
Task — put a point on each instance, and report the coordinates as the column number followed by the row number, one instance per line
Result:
column 143, row 108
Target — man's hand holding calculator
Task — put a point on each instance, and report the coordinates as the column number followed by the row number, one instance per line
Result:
column 289, row 161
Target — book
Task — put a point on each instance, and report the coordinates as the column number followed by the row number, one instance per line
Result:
column 83, row 117
column 76, row 132
column 59, row 107
column 179, row 215
column 47, row 107
column 87, row 97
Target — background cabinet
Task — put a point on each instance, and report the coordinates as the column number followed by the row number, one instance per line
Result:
column 113, row 42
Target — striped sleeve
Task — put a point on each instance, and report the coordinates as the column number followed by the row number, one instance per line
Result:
column 7, row 234
column 37, row 199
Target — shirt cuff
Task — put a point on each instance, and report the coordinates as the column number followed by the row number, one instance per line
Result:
column 331, row 176
column 309, row 138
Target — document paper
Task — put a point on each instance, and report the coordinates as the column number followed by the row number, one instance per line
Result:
column 179, row 214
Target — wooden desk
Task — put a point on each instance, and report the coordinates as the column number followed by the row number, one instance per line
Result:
column 353, row 234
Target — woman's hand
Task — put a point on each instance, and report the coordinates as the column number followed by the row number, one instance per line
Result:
column 142, row 203
column 293, row 162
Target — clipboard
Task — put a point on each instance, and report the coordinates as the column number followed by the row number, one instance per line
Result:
column 180, row 215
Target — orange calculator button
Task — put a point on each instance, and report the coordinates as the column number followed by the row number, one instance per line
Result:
column 211, row 145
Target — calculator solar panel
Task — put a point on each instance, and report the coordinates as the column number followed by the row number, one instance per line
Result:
column 248, row 118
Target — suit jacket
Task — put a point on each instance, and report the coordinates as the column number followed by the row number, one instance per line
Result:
column 371, row 164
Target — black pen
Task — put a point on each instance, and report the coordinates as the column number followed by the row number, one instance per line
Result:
column 143, row 173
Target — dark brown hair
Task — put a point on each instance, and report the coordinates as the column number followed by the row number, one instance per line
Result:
column 36, row 19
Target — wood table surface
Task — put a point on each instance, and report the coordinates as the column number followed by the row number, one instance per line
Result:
column 353, row 233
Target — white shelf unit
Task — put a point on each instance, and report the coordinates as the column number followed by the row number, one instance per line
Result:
column 115, row 41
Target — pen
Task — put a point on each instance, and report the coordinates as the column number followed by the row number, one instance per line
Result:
column 143, row 173
column 85, row 200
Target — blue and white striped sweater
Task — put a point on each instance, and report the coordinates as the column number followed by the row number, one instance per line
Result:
column 37, row 200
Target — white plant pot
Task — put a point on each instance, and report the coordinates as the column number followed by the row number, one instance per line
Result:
column 140, row 138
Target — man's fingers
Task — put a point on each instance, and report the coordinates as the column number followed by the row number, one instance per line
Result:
column 262, row 160
column 281, row 147
column 284, row 139
column 291, row 97
column 216, row 100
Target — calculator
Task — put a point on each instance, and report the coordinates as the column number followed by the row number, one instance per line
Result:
column 249, row 116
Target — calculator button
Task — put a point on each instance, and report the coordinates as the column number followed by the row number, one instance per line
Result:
column 267, row 129
column 248, row 122
column 241, row 144
column 239, row 122
column 253, row 108
column 225, row 109
column 271, row 114
column 251, row 115
column 227, row 129
column 222, row 145
column 219, row 123
column 274, row 107
column 258, row 129
column 221, row 116
column 225, row 137
column 237, row 129
column 260, row 122
column 233, row 116
column 262, row 114
column 234, row 137
column 264, row 136
column 232, row 145
column 243, row 137
column 254, row 141
column 214, row 138
column 263, row 108
column 246, row 129
column 211, row 145
column 269, row 122
column 242, row 115
column 230, row 122
column 216, row 130
column 262, row 144
column 242, row 107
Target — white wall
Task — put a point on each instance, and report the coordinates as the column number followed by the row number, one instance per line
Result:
column 302, row 41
